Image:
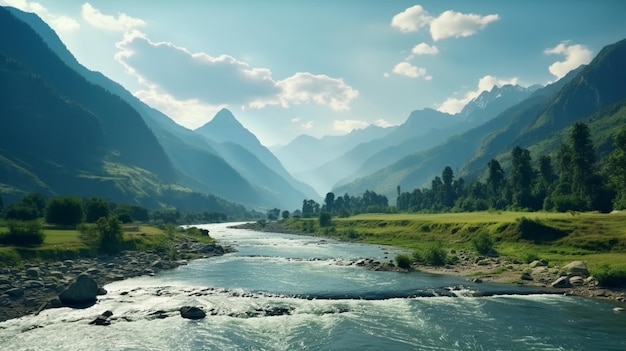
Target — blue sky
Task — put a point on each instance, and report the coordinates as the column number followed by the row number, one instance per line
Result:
column 286, row 68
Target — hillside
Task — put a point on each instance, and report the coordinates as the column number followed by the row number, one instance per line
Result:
column 537, row 123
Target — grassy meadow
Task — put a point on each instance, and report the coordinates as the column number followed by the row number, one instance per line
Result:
column 598, row 239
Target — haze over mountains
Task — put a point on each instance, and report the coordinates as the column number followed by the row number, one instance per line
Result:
column 66, row 130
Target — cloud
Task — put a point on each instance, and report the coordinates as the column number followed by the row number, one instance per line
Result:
column 448, row 24
column 60, row 23
column 575, row 55
column 455, row 24
column 191, row 113
column 382, row 123
column 411, row 19
column 408, row 70
column 307, row 125
column 121, row 23
column 349, row 125
column 224, row 79
column 424, row 49
column 454, row 105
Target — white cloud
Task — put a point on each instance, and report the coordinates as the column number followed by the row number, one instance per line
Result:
column 456, row 24
column 307, row 125
column 425, row 49
column 454, row 105
column 121, row 23
column 349, row 125
column 575, row 55
column 295, row 120
column 60, row 23
column 224, row 79
column 411, row 19
column 448, row 24
column 191, row 113
column 408, row 70
column 383, row 123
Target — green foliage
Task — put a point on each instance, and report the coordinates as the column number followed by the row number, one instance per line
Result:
column 95, row 208
column 65, row 211
column 538, row 232
column 403, row 261
column 35, row 201
column 608, row 276
column 483, row 244
column 23, row 234
column 325, row 219
column 285, row 214
column 21, row 212
column 166, row 215
column 9, row 258
column 110, row 234
column 262, row 223
column 435, row 255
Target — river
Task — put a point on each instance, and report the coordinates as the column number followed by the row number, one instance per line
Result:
column 322, row 304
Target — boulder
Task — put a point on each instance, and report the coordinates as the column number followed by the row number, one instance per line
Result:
column 561, row 282
column 577, row 268
column 102, row 319
column 33, row 272
column 190, row 312
column 81, row 292
column 537, row 263
column 526, row 276
column 577, row 280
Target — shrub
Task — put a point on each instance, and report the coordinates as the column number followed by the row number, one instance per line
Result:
column 538, row 232
column 403, row 261
column 110, row 235
column 65, row 211
column 483, row 243
column 95, row 208
column 23, row 234
column 435, row 255
column 21, row 213
column 610, row 276
column 325, row 219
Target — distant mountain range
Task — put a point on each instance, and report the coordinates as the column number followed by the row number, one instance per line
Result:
column 594, row 93
column 67, row 130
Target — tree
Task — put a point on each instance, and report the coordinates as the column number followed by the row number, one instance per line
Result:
column 285, row 214
column 521, row 178
column 616, row 170
column 495, row 183
column 36, row 201
column 110, row 235
column 95, row 208
column 273, row 214
column 325, row 219
column 449, row 196
column 65, row 211
column 329, row 202
column 583, row 159
column 21, row 212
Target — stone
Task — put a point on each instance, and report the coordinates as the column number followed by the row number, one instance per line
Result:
column 15, row 292
column 102, row 319
column 190, row 312
column 81, row 292
column 537, row 263
column 526, row 276
column 561, row 282
column 33, row 272
column 577, row 268
column 577, row 281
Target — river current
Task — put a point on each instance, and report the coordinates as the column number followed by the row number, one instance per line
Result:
column 321, row 303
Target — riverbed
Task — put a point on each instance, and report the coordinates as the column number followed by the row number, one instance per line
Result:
column 292, row 292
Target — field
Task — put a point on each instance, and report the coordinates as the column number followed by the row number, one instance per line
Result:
column 70, row 243
column 598, row 239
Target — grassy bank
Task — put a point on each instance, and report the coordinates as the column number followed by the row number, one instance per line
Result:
column 60, row 244
column 598, row 239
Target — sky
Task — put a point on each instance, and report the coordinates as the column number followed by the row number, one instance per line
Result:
column 286, row 68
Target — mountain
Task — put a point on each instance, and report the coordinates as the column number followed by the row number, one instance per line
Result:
column 199, row 165
column 422, row 130
column 594, row 93
column 225, row 129
column 318, row 151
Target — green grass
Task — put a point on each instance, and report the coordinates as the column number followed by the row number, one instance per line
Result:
column 598, row 239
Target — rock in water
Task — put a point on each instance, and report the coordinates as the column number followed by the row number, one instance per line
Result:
column 81, row 292
column 190, row 312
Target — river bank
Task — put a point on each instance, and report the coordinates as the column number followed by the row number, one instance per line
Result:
column 574, row 280
column 28, row 289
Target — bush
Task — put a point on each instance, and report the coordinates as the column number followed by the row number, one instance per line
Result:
column 403, row 261
column 435, row 255
column 110, row 235
column 483, row 243
column 610, row 276
column 65, row 211
column 21, row 213
column 325, row 219
column 23, row 234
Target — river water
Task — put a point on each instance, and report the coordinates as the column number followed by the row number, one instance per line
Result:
column 325, row 304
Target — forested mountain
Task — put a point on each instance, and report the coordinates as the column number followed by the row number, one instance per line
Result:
column 224, row 130
column 423, row 129
column 201, row 164
column 539, row 123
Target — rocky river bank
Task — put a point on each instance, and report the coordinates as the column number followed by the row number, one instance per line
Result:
column 37, row 285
